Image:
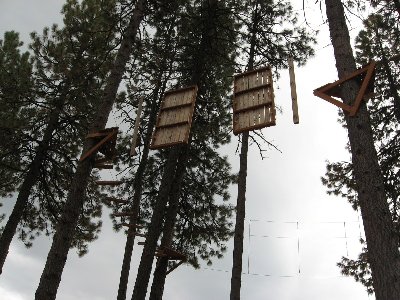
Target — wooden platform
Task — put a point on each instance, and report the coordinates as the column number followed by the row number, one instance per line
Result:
column 105, row 141
column 170, row 254
column 253, row 100
column 174, row 118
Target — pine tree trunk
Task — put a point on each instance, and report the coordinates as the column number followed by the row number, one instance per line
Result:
column 160, row 273
column 383, row 254
column 130, row 239
column 154, row 230
column 31, row 177
column 142, row 279
column 57, row 256
column 236, row 279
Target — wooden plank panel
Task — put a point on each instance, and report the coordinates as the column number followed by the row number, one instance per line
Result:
column 258, row 118
column 175, row 118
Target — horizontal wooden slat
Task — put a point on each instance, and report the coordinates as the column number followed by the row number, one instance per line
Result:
column 176, row 116
column 254, row 119
column 112, row 199
column 103, row 166
column 176, row 106
column 169, row 136
column 109, row 182
column 139, row 234
column 254, row 88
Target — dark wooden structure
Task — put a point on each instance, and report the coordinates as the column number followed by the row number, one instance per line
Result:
column 174, row 118
column 106, row 140
column 364, row 76
column 253, row 100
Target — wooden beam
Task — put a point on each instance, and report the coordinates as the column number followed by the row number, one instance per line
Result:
column 254, row 107
column 96, row 134
column 175, row 267
column 293, row 91
column 96, row 147
column 112, row 199
column 255, row 88
column 138, row 234
column 103, row 160
column 109, row 182
column 136, row 128
column 103, row 166
column 176, row 106
column 160, row 254
column 322, row 92
column 363, row 89
column 252, row 71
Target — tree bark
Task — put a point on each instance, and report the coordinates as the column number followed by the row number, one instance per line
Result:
column 236, row 277
column 383, row 253
column 160, row 273
column 30, row 179
column 146, row 261
column 130, row 239
column 142, row 279
column 57, row 256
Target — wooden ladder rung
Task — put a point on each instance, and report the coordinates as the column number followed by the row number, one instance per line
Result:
column 103, row 166
column 111, row 199
column 132, row 225
column 139, row 234
column 109, row 182
column 160, row 254
column 97, row 134
column 102, row 132
column 103, row 160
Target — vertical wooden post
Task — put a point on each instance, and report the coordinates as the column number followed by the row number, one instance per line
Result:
column 293, row 91
column 136, row 129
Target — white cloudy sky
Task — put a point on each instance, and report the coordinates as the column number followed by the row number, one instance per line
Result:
column 283, row 190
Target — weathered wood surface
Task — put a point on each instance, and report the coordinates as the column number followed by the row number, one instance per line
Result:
column 253, row 103
column 293, row 91
column 364, row 76
column 136, row 128
column 175, row 118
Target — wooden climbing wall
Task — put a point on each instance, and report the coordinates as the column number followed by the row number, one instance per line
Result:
column 175, row 118
column 253, row 100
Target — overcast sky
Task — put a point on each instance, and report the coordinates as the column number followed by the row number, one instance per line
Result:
column 286, row 203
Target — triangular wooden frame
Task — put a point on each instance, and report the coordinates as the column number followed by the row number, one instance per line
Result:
column 107, row 135
column 174, row 267
column 170, row 253
column 327, row 91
